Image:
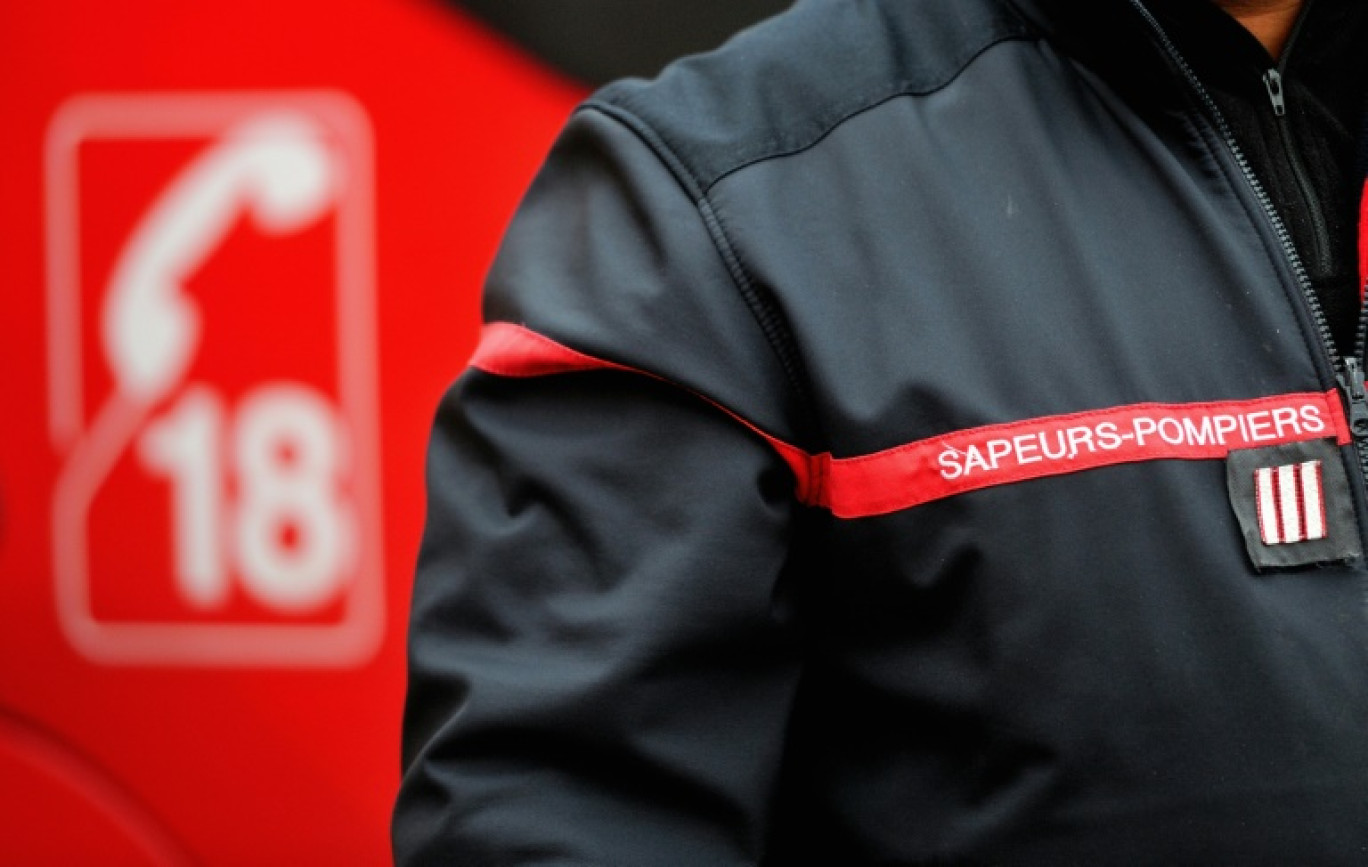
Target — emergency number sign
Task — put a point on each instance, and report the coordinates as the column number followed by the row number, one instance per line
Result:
column 212, row 379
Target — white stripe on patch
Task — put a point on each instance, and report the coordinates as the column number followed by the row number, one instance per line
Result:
column 1313, row 500
column 1268, row 506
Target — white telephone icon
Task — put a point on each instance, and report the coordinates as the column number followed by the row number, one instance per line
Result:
column 276, row 167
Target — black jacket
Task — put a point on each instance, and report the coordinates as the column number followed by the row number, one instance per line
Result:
column 891, row 446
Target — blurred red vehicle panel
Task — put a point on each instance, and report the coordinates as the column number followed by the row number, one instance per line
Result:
column 243, row 247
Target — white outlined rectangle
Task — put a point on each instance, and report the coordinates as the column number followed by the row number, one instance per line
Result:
column 91, row 446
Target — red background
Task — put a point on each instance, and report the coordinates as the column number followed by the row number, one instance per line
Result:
column 255, row 764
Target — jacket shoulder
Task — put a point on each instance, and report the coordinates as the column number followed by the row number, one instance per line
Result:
column 781, row 86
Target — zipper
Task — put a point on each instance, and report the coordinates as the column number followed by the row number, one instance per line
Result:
column 1277, row 95
column 1319, row 231
column 1273, row 82
column 1348, row 371
column 1352, row 383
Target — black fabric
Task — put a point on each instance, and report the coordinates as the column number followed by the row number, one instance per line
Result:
column 1305, row 158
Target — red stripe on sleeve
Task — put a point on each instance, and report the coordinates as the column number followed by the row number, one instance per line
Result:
column 515, row 351
column 968, row 460
column 512, row 350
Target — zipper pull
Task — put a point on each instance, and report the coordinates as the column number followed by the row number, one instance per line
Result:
column 1273, row 81
column 1352, row 384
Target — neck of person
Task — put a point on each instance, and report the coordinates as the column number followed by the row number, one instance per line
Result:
column 1271, row 21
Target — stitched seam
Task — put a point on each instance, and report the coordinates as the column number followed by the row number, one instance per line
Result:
column 775, row 147
column 763, row 310
column 902, row 91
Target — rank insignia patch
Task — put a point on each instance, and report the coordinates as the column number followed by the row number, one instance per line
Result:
column 1293, row 504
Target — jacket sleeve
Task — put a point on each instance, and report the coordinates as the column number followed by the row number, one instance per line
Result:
column 602, row 656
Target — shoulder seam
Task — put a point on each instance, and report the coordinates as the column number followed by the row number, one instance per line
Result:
column 901, row 90
column 775, row 148
column 762, row 307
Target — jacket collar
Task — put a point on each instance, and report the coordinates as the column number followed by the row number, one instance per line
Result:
column 1118, row 40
